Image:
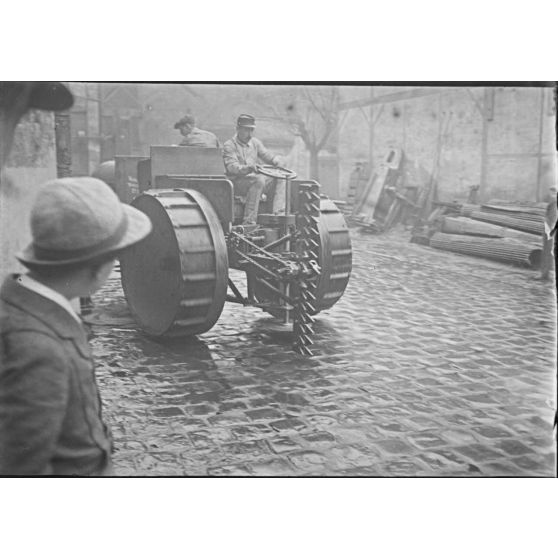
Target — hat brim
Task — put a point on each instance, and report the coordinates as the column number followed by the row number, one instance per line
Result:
column 139, row 226
column 252, row 126
column 50, row 95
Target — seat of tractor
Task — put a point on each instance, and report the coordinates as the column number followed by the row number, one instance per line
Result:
column 204, row 170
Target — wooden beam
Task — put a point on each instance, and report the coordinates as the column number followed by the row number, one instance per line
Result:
column 477, row 104
column 484, row 144
column 539, row 154
column 63, row 140
column 371, row 131
column 106, row 94
column 394, row 97
column 519, row 155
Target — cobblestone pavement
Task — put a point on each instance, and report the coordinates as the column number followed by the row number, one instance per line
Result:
column 432, row 364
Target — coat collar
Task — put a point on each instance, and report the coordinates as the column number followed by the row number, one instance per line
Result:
column 32, row 284
column 241, row 143
column 42, row 308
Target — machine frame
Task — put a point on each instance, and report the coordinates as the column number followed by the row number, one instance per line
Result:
column 296, row 264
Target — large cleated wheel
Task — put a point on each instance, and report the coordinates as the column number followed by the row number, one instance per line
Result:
column 175, row 281
column 335, row 255
column 334, row 259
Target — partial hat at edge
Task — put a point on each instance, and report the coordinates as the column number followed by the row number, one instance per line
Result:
column 41, row 95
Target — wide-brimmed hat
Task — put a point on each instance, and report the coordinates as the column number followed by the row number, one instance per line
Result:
column 76, row 220
column 246, row 121
column 42, row 95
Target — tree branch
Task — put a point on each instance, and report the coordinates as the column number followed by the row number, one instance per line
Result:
column 313, row 103
column 326, row 134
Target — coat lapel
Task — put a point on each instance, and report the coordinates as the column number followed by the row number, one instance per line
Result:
column 43, row 309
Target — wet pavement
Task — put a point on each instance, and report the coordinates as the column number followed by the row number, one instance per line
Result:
column 432, row 364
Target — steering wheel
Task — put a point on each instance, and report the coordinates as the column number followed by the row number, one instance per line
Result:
column 275, row 172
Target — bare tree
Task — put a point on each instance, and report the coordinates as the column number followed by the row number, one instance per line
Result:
column 314, row 116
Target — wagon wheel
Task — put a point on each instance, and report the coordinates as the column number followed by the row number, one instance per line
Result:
column 175, row 281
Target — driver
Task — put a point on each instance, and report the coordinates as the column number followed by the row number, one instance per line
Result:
column 240, row 155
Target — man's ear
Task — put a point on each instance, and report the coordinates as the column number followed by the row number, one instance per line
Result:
column 95, row 270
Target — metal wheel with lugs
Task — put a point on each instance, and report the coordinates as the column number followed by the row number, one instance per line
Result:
column 334, row 259
column 335, row 255
column 175, row 281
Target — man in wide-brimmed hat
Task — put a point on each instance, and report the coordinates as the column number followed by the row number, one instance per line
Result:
column 50, row 410
column 240, row 156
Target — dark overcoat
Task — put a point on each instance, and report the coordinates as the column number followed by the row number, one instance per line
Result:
column 50, row 409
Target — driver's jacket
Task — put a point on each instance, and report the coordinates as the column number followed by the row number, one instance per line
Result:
column 238, row 155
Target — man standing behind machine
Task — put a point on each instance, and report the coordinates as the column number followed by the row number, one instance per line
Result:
column 240, row 155
column 549, row 233
column 194, row 137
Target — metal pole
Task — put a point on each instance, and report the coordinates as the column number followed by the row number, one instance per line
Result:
column 539, row 152
column 287, row 196
column 371, row 133
column 484, row 145
column 285, row 232
column 63, row 139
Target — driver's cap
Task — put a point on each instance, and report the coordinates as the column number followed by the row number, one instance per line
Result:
column 246, row 121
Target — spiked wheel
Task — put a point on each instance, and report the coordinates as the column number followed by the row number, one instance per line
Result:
column 309, row 250
column 331, row 242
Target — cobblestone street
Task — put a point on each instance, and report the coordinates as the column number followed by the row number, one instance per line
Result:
column 432, row 364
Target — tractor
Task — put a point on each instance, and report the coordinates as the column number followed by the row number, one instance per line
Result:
column 176, row 281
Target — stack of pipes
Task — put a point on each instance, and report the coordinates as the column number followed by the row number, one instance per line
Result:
column 468, row 208
column 461, row 225
column 501, row 249
column 519, row 216
column 498, row 230
column 534, row 226
column 537, row 208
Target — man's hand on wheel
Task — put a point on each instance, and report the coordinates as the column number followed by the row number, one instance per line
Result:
column 249, row 169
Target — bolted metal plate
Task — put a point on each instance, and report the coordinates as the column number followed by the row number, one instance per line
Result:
column 272, row 220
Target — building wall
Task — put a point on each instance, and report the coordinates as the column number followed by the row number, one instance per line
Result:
column 214, row 106
column 129, row 118
column 32, row 162
column 85, row 121
column 443, row 134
